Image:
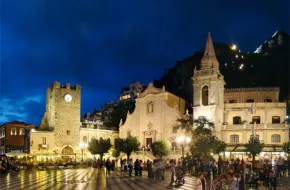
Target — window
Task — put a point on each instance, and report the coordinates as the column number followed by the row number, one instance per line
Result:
column 21, row 131
column 13, row 131
column 256, row 119
column 268, row 100
column 234, row 138
column 173, row 145
column 174, row 129
column 276, row 138
column 237, row 120
column 250, row 100
column 275, row 119
column 43, row 140
column 85, row 139
column 67, row 132
column 205, row 95
column 233, row 101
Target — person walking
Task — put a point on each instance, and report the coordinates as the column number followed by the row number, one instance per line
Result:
column 271, row 181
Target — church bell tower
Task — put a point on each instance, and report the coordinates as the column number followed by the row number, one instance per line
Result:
column 208, row 88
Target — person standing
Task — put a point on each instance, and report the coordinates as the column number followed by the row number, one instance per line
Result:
column 200, row 182
column 172, row 170
column 218, row 183
column 271, row 182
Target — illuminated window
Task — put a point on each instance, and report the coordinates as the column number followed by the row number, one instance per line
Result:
column 205, row 95
column 234, row 138
column 13, row 131
column 276, row 138
column 21, row 131
column 275, row 119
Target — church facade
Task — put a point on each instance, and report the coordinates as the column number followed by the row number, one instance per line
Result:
column 155, row 117
column 61, row 130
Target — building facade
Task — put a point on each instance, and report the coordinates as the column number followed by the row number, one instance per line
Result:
column 61, row 130
column 238, row 113
column 14, row 138
column 155, row 117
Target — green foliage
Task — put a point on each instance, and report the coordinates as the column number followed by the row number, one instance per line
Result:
column 115, row 153
column 161, row 148
column 100, row 146
column 254, row 146
column 286, row 147
column 128, row 145
column 203, row 141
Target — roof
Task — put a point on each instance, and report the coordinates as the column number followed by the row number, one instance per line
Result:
column 17, row 122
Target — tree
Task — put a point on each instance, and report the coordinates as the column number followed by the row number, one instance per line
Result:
column 254, row 147
column 161, row 148
column 115, row 153
column 203, row 141
column 100, row 146
column 128, row 145
column 286, row 147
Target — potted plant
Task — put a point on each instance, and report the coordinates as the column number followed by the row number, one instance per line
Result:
column 60, row 165
column 41, row 166
column 50, row 165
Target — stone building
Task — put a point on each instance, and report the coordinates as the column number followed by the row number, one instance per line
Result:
column 61, row 130
column 155, row 117
column 238, row 113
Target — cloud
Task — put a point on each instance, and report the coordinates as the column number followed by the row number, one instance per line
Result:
column 18, row 110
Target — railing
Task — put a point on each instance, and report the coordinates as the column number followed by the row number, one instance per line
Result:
column 257, row 126
column 258, row 105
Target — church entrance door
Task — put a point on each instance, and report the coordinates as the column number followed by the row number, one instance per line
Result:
column 148, row 142
column 67, row 153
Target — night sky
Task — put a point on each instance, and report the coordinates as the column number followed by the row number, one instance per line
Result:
column 105, row 45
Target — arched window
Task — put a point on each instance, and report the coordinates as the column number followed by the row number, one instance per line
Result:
column 234, row 138
column 233, row 101
column 256, row 119
column 205, row 95
column 85, row 139
column 276, row 138
column 268, row 100
column 237, row 120
column 250, row 100
column 275, row 119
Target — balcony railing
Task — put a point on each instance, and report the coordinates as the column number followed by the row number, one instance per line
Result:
column 258, row 126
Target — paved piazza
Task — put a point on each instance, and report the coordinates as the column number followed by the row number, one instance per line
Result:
column 90, row 178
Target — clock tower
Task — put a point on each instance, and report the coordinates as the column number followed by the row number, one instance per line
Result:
column 208, row 88
column 62, row 116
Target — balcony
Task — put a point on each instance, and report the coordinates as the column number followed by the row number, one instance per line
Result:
column 43, row 147
column 258, row 126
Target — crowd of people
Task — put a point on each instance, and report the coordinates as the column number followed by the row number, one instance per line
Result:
column 235, row 173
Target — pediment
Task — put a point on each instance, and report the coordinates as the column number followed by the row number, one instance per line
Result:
column 151, row 90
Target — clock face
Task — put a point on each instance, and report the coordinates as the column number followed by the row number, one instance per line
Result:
column 67, row 97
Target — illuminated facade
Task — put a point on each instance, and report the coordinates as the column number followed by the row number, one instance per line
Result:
column 155, row 117
column 238, row 113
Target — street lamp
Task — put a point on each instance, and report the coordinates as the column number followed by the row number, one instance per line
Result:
column 182, row 140
column 83, row 146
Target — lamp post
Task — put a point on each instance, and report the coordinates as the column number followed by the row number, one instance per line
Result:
column 182, row 140
column 83, row 146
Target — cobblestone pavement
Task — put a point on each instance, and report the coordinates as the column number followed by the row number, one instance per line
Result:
column 90, row 178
